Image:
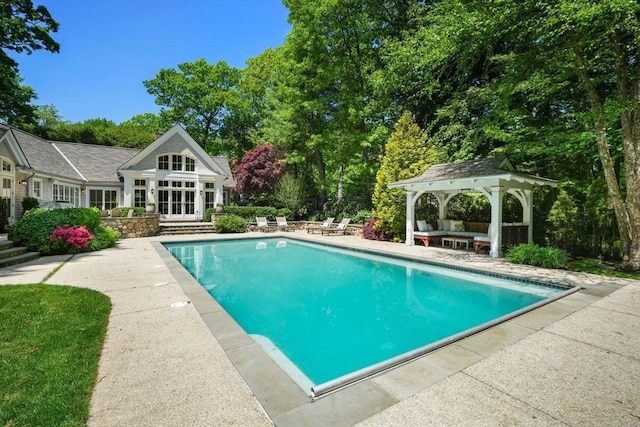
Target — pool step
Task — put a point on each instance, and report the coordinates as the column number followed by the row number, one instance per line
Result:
column 190, row 228
column 12, row 255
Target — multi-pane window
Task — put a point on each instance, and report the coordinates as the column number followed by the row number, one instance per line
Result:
column 103, row 199
column 163, row 162
column 66, row 193
column 36, row 188
column 139, row 193
column 189, row 164
column 209, row 195
column 190, row 184
column 6, row 166
column 176, row 162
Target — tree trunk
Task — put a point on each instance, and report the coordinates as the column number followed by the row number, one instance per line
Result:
column 340, row 183
column 630, row 260
column 322, row 177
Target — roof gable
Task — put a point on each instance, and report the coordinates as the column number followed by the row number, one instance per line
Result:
column 42, row 155
column 9, row 138
column 190, row 143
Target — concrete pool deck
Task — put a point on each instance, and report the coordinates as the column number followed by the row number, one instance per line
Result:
column 573, row 362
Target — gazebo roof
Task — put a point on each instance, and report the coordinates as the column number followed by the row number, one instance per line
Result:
column 471, row 175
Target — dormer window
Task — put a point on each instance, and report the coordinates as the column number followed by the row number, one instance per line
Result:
column 176, row 162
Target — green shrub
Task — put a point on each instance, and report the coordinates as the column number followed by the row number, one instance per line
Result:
column 124, row 211
column 250, row 213
column 230, row 224
column 361, row 216
column 29, row 203
column 104, row 237
column 35, row 227
column 532, row 254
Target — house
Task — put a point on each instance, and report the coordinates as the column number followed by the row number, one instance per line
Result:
column 173, row 173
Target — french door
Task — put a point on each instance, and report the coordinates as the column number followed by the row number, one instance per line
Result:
column 177, row 202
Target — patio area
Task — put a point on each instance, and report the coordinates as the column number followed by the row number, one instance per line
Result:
column 573, row 362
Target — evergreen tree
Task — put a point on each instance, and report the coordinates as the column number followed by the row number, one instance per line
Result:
column 408, row 153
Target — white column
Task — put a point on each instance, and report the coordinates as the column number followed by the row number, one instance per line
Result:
column 219, row 199
column 127, row 190
column 527, row 213
column 496, row 198
column 410, row 218
column 442, row 205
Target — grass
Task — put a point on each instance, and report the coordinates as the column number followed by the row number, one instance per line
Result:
column 50, row 343
column 594, row 266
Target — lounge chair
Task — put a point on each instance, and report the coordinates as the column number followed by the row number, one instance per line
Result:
column 340, row 228
column 263, row 225
column 281, row 224
column 315, row 227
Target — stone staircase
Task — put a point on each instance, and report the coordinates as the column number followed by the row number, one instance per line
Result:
column 185, row 228
column 11, row 255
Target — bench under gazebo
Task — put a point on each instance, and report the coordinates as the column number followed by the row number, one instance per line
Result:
column 493, row 177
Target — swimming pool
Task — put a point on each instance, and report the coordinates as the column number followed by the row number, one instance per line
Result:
column 330, row 316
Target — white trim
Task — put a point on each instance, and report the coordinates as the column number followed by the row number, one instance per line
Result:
column 69, row 161
column 193, row 145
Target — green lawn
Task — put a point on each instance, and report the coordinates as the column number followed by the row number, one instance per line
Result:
column 50, row 343
column 594, row 266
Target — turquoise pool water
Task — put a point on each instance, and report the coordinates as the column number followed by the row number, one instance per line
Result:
column 331, row 312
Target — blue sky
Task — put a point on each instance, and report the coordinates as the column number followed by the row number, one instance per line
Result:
column 109, row 47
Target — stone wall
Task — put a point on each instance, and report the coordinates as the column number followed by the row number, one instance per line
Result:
column 143, row 226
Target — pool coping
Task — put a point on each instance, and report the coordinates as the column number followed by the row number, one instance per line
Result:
column 287, row 404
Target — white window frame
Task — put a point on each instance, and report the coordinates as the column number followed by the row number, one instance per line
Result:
column 66, row 193
column 174, row 159
column 36, row 182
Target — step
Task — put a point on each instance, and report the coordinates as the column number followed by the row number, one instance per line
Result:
column 11, row 251
column 5, row 244
column 27, row 256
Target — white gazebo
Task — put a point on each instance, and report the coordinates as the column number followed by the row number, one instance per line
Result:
column 493, row 177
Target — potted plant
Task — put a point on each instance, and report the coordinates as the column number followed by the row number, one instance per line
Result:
column 151, row 207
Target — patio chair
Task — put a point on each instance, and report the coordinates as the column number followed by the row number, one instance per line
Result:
column 312, row 228
column 281, row 224
column 263, row 225
column 340, row 228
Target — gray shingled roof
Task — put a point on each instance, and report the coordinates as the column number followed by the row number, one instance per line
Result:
column 97, row 163
column 94, row 163
column 223, row 162
column 43, row 156
column 469, row 169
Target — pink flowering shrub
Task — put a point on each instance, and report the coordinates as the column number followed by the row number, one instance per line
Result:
column 67, row 238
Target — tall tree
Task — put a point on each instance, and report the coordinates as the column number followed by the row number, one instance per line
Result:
column 322, row 103
column 408, row 153
column 23, row 29
column 199, row 96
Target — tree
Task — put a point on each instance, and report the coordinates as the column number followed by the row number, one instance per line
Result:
column 23, row 28
column 408, row 153
column 289, row 192
column 198, row 95
column 257, row 174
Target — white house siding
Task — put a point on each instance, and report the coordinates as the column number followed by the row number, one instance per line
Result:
column 5, row 152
